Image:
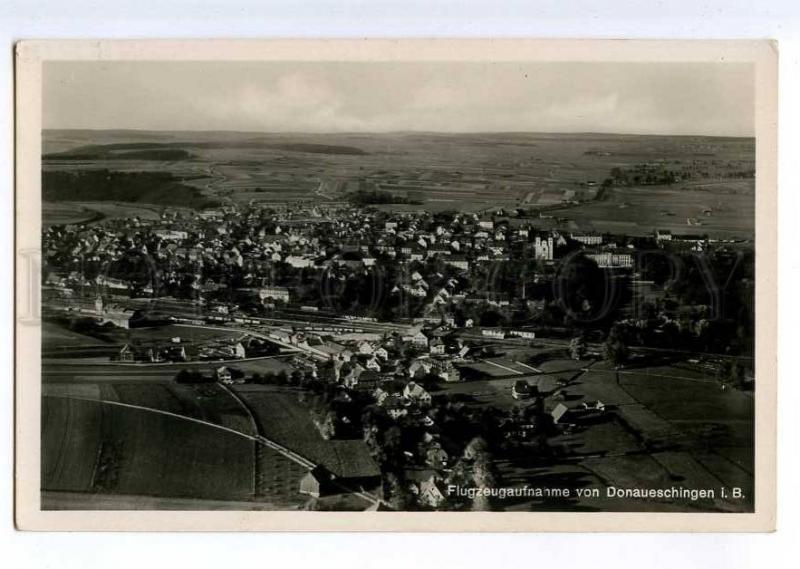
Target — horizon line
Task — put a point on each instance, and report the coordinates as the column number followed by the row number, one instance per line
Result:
column 396, row 132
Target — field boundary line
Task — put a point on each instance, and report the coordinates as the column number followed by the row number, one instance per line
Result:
column 513, row 371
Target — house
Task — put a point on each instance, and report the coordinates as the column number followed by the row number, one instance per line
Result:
column 420, row 368
column 125, row 354
column 446, row 371
column 223, row 375
column 493, row 333
column 117, row 315
column 596, row 406
column 559, row 412
column 130, row 353
column 419, row 339
column 353, row 376
column 526, row 334
column 316, row 483
column 366, row 348
column 431, row 492
column 415, row 392
column 395, row 405
column 368, row 381
column 370, row 362
column 436, row 457
column 662, row 235
column 436, row 347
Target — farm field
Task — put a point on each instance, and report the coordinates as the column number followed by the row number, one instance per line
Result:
column 57, row 335
column 89, row 446
column 64, row 212
column 636, row 210
column 706, row 434
column 471, row 172
column 54, row 213
column 185, row 333
column 110, row 454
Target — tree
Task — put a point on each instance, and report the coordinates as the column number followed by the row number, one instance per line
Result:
column 615, row 352
column 476, row 449
column 399, row 497
column 577, row 348
column 191, row 376
column 483, row 473
column 328, row 427
column 295, row 377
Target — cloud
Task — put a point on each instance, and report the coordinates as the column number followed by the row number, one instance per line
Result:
column 372, row 96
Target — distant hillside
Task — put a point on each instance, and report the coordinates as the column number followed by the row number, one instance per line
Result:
column 133, row 151
column 107, row 185
column 172, row 151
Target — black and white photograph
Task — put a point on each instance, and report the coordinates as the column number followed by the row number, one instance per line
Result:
column 399, row 285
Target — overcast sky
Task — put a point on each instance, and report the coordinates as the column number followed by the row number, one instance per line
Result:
column 663, row 98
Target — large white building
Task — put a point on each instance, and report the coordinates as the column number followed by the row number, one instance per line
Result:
column 608, row 260
column 274, row 292
column 587, row 239
column 543, row 248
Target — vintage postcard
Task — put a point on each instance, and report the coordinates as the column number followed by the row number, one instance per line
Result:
column 396, row 285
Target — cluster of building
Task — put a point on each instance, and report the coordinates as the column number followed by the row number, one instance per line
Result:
column 274, row 257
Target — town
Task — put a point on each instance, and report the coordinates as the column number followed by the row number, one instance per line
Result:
column 410, row 351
